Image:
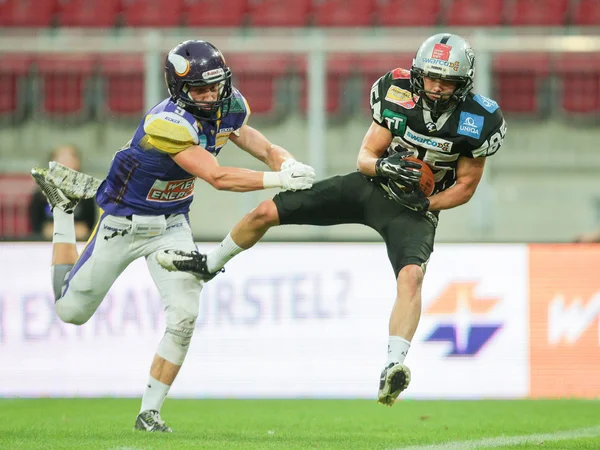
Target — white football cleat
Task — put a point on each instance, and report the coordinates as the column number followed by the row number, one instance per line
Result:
column 394, row 379
column 73, row 183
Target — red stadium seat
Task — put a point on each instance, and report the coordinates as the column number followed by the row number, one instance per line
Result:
column 406, row 13
column 579, row 76
column 343, row 13
column 258, row 77
column 339, row 69
column 88, row 13
column 214, row 13
column 587, row 12
column 537, row 12
column 374, row 66
column 123, row 77
column 27, row 13
column 277, row 13
column 470, row 13
column 152, row 13
column 15, row 192
column 14, row 70
column 64, row 79
column 519, row 82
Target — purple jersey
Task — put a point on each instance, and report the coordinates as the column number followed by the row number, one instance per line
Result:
column 143, row 178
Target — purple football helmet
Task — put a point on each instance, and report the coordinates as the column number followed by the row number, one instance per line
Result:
column 198, row 63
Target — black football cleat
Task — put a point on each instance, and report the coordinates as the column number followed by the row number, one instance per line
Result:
column 151, row 422
column 190, row 262
column 394, row 379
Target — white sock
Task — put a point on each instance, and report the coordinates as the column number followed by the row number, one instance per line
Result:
column 154, row 395
column 226, row 250
column 64, row 227
column 397, row 349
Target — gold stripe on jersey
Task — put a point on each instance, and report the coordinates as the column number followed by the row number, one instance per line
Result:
column 168, row 133
column 248, row 112
column 164, row 145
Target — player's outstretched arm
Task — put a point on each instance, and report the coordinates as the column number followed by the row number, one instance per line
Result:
column 468, row 175
column 256, row 144
column 202, row 164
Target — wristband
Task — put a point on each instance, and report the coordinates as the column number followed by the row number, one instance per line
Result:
column 271, row 180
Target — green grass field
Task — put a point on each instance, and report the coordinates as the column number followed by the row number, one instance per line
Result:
column 300, row 424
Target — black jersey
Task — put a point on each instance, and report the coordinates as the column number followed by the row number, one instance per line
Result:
column 475, row 129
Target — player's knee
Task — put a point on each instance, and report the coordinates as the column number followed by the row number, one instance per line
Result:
column 175, row 344
column 265, row 214
column 411, row 275
column 70, row 313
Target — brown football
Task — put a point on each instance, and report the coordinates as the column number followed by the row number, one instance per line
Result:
column 427, row 182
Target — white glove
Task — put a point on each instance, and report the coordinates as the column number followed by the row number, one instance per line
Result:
column 296, row 176
column 291, row 162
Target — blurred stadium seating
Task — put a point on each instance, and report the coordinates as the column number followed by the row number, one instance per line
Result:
column 405, row 13
column 94, row 85
column 87, row 13
column 113, row 84
column 99, row 87
column 474, row 13
column 15, row 192
column 299, row 13
column 586, row 12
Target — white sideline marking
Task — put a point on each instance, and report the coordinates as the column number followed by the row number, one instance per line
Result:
column 503, row 441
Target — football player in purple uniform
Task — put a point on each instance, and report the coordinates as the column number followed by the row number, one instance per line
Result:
column 145, row 199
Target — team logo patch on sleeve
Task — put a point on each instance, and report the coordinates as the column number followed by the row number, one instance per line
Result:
column 223, row 137
column 396, row 122
column 488, row 104
column 400, row 97
column 470, row 125
column 400, row 74
column 171, row 191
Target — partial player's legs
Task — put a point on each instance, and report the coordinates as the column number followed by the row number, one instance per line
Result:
column 64, row 250
column 180, row 293
column 331, row 201
column 409, row 240
column 80, row 283
column 404, row 319
column 244, row 235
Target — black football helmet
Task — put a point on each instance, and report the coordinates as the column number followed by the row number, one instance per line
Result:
column 198, row 63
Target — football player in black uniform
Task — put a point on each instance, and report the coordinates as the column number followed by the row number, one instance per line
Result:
column 429, row 112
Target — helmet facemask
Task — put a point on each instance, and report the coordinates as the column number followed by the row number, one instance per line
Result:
column 446, row 102
column 203, row 109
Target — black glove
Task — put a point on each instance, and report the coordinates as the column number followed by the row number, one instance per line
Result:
column 414, row 199
column 396, row 168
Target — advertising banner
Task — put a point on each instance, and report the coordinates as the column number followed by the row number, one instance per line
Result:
column 565, row 320
column 283, row 321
